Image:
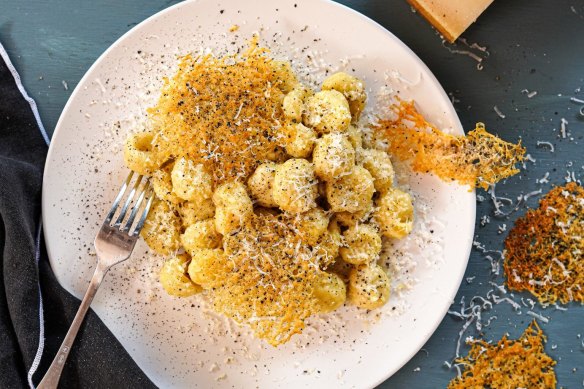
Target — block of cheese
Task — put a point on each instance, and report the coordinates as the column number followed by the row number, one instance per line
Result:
column 451, row 17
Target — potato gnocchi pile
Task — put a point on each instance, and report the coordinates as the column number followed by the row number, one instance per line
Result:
column 267, row 197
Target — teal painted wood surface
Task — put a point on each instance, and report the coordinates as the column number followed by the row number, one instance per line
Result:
column 533, row 46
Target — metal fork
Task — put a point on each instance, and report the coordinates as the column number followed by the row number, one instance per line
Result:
column 113, row 244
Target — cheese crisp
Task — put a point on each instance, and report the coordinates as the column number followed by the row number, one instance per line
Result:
column 544, row 250
column 520, row 363
column 263, row 187
column 478, row 159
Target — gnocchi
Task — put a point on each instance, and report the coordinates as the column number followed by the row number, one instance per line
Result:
column 190, row 181
column 174, row 278
column 201, row 235
column 138, row 154
column 233, row 206
column 287, row 80
column 333, row 157
column 162, row 185
column 327, row 247
column 362, row 244
column 293, row 104
column 267, row 191
column 355, row 137
column 349, row 219
column 351, row 193
column 301, row 140
column 161, row 229
column 295, row 186
column 311, row 225
column 327, row 111
column 369, row 286
column 261, row 184
column 351, row 87
column 377, row 162
column 330, row 292
column 203, row 267
column 195, row 211
column 395, row 215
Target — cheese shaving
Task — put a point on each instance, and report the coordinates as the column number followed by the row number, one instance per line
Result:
column 528, row 93
column 548, row 144
column 498, row 112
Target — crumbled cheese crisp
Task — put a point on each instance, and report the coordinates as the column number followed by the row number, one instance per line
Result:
column 478, row 159
column 269, row 277
column 544, row 250
column 520, row 363
column 225, row 113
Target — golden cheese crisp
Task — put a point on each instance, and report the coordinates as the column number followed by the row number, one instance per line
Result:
column 544, row 251
column 478, row 159
column 520, row 363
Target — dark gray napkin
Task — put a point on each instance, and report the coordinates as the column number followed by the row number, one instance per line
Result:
column 97, row 359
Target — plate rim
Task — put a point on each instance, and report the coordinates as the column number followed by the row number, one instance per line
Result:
column 126, row 35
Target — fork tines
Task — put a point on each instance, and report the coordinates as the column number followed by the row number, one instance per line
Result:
column 138, row 191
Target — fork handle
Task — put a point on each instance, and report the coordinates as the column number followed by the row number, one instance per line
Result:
column 52, row 376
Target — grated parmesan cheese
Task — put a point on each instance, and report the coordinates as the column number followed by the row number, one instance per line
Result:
column 498, row 112
column 548, row 144
column 563, row 127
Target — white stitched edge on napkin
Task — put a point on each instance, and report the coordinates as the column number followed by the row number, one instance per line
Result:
column 33, row 106
column 30, row 100
column 41, row 347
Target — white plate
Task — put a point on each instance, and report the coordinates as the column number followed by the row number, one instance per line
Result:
column 182, row 346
